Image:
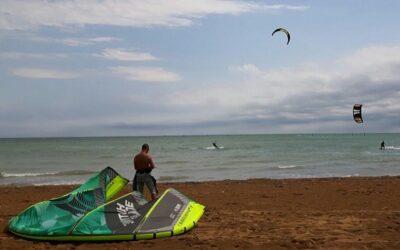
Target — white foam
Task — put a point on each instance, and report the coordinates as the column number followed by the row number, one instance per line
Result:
column 26, row 174
column 29, row 174
column 58, row 183
column 287, row 166
column 350, row 175
column 392, row 148
column 212, row 147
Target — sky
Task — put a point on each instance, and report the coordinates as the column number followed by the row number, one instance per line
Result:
column 182, row 67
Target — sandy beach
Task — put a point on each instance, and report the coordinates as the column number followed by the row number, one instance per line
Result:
column 324, row 213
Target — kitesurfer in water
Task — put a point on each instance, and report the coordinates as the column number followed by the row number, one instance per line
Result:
column 144, row 164
column 215, row 145
column 383, row 145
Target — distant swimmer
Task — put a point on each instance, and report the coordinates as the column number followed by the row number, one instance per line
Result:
column 383, row 145
column 215, row 145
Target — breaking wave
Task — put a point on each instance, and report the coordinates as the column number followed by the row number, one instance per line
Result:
column 392, row 148
column 213, row 148
column 286, row 166
column 350, row 175
column 61, row 173
column 59, row 183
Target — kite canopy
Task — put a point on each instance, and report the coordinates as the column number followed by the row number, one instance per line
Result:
column 357, row 113
column 284, row 31
column 86, row 214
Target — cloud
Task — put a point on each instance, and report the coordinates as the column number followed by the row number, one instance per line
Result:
column 146, row 74
column 305, row 98
column 24, row 15
column 277, row 7
column 125, row 55
column 379, row 62
column 41, row 73
column 246, row 68
column 22, row 55
column 315, row 97
column 76, row 42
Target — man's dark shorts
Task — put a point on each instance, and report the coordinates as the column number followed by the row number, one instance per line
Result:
column 141, row 179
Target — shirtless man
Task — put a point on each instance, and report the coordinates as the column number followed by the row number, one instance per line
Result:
column 143, row 164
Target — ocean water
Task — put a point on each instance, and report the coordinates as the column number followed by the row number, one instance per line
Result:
column 54, row 161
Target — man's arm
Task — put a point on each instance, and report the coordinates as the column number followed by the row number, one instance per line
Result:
column 151, row 163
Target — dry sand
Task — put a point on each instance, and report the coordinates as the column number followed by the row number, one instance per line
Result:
column 331, row 213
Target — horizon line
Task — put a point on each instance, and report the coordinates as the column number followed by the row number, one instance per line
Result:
column 184, row 135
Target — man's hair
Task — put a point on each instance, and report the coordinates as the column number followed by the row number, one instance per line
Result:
column 145, row 146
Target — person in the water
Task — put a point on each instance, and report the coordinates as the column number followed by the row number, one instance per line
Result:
column 383, row 145
column 215, row 145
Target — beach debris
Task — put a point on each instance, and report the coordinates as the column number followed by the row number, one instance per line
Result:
column 284, row 31
column 357, row 113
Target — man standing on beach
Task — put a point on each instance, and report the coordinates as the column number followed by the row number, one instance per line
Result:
column 143, row 164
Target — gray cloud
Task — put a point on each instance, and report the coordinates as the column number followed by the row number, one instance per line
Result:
column 296, row 100
column 310, row 99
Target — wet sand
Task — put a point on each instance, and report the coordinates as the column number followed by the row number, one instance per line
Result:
column 327, row 213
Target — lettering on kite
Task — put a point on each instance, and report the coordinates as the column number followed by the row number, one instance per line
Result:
column 127, row 213
column 176, row 210
column 177, row 207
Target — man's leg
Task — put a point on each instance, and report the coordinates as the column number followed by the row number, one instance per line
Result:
column 134, row 183
column 150, row 185
column 154, row 183
column 138, row 183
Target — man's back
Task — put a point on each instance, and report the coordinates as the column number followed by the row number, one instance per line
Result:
column 143, row 162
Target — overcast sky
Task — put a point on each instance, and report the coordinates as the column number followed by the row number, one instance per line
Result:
column 130, row 67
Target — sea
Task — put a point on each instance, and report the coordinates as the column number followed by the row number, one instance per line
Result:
column 58, row 161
